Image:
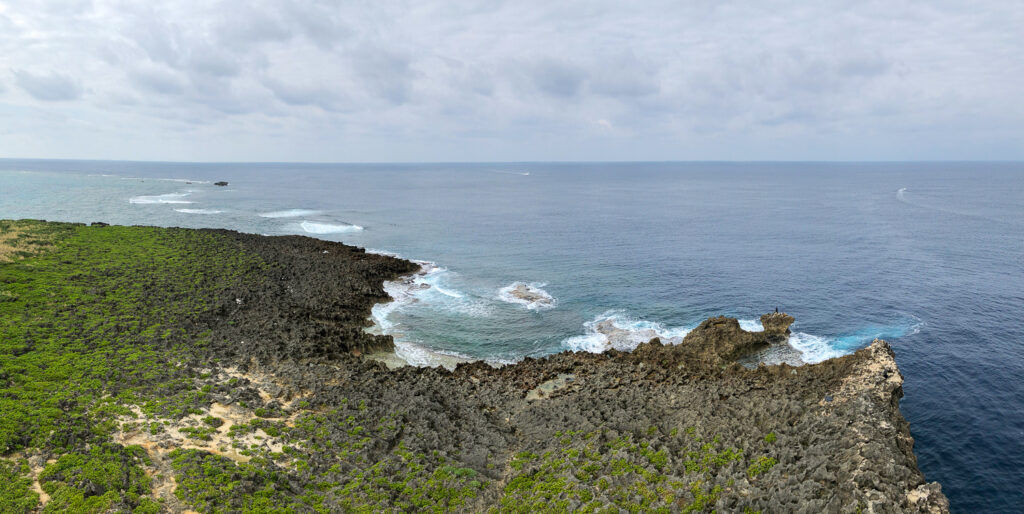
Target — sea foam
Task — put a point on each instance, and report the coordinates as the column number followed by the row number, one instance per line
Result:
column 289, row 213
column 530, row 295
column 314, row 227
column 198, row 211
column 157, row 199
column 616, row 330
column 424, row 287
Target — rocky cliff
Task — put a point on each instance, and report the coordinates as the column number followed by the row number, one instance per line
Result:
column 262, row 401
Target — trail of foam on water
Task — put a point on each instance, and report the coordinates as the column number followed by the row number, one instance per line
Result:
column 422, row 286
column 198, row 211
column 508, row 172
column 289, row 213
column 313, row 227
column 159, row 199
column 615, row 329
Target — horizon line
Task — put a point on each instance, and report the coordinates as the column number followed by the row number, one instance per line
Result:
column 560, row 161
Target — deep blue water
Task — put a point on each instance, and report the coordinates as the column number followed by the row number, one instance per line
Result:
column 927, row 255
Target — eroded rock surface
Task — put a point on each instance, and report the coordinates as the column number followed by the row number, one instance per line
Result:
column 837, row 439
column 277, row 409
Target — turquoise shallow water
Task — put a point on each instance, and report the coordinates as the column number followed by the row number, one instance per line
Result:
column 926, row 255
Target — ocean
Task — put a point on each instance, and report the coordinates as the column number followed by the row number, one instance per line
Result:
column 929, row 256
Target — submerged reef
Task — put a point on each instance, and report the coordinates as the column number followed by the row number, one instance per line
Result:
column 167, row 370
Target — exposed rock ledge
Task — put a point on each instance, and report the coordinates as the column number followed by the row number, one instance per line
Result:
column 833, row 430
column 287, row 408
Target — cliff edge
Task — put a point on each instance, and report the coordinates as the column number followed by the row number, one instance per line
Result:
column 169, row 370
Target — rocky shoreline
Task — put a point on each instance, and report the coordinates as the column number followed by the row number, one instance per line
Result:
column 281, row 410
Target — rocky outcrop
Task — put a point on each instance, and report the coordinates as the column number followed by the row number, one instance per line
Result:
column 838, row 440
column 666, row 426
column 776, row 326
column 721, row 340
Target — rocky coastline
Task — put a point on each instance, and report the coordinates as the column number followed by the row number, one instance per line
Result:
column 269, row 405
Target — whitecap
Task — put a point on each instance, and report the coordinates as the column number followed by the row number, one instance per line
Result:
column 616, row 330
column 198, row 211
column 418, row 355
column 158, row 199
column 289, row 213
column 751, row 325
column 385, row 253
column 814, row 349
column 313, row 227
column 423, row 286
column 509, row 172
column 529, row 295
column 402, row 292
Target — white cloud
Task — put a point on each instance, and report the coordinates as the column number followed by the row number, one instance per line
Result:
column 522, row 80
column 48, row 87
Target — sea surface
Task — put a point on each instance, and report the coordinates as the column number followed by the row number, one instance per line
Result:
column 929, row 256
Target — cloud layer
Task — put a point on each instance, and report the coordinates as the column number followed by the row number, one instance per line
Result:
column 523, row 80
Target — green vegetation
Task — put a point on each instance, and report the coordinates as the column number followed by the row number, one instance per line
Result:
column 105, row 333
column 16, row 496
column 762, row 465
column 216, row 484
column 91, row 318
column 93, row 325
column 107, row 477
column 593, row 472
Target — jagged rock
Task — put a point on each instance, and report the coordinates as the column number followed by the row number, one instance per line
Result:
column 776, row 326
column 927, row 498
column 303, row 318
column 721, row 340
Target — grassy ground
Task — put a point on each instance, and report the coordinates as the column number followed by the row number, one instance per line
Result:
column 92, row 319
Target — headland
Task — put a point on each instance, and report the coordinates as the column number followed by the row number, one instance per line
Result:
column 168, row 370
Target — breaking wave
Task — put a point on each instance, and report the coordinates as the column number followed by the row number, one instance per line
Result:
column 313, row 227
column 289, row 213
column 530, row 295
column 616, row 330
column 814, row 349
column 156, row 199
column 199, row 211
column 423, row 286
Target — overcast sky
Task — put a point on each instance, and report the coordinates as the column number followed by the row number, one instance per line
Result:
column 513, row 80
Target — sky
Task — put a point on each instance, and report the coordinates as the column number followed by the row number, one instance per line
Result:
column 519, row 80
